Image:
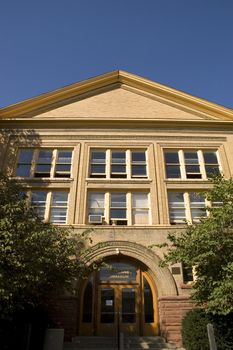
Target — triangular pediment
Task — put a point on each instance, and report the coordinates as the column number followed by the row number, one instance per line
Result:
column 123, row 103
column 117, row 96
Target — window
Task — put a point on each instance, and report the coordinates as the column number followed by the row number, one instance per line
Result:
column 186, row 206
column 138, row 164
column 118, row 164
column 63, row 163
column 188, row 273
column 140, row 210
column 50, row 206
column 191, row 164
column 96, row 203
column 45, row 163
column 24, row 163
column 119, row 208
column 98, row 164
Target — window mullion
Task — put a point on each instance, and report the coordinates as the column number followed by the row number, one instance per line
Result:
column 54, row 162
column 48, row 206
column 129, row 208
column 128, row 164
column 107, row 207
column 182, row 164
column 202, row 164
column 108, row 163
column 187, row 207
column 34, row 162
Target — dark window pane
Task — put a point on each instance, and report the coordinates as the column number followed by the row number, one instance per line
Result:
column 191, row 157
column 118, row 168
column 172, row 157
column 107, row 305
column 148, row 303
column 39, row 197
column 138, row 156
column 212, row 170
column 118, row 157
column 23, row 170
column 210, row 157
column 63, row 167
column 98, row 169
column 173, row 171
column 25, row 156
column 87, row 303
column 187, row 273
column 138, row 170
column 128, row 305
column 45, row 157
column 98, row 157
column 64, row 157
column 192, row 169
column 118, row 200
column 118, row 213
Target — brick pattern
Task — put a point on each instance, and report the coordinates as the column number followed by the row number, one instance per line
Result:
column 171, row 312
column 63, row 312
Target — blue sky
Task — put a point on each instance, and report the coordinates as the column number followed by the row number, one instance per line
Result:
column 185, row 44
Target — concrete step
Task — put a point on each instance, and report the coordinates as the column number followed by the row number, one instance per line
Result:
column 110, row 343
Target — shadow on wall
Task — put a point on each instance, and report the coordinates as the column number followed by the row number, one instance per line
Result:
column 10, row 141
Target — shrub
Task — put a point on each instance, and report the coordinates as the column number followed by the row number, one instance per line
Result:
column 194, row 330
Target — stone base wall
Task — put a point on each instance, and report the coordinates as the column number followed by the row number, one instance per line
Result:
column 171, row 312
column 63, row 312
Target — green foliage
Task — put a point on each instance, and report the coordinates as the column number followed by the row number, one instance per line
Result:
column 209, row 247
column 194, row 330
column 36, row 259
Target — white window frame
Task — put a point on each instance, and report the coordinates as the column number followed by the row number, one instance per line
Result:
column 55, row 152
column 128, row 163
column 187, row 206
column 49, row 204
column 182, row 164
column 129, row 207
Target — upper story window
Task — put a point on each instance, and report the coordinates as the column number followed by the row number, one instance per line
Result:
column 118, row 164
column 191, row 164
column 186, row 206
column 118, row 208
column 50, row 206
column 44, row 162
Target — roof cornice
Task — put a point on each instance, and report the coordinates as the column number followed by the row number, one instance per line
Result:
column 110, row 79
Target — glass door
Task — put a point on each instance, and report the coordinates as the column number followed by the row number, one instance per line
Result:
column 107, row 315
column 128, row 310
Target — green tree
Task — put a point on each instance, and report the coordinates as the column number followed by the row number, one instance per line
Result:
column 209, row 247
column 36, row 259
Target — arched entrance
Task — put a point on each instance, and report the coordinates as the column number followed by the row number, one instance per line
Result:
column 120, row 297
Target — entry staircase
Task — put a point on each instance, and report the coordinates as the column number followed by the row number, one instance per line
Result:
column 111, row 343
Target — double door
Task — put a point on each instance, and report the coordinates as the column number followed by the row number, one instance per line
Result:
column 118, row 309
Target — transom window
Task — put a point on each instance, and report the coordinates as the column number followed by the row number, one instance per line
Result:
column 118, row 164
column 118, row 208
column 44, row 163
column 191, row 164
column 50, row 206
column 186, row 207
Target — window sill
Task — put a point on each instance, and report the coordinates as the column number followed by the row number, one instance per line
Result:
column 42, row 179
column 186, row 285
column 188, row 181
column 118, row 180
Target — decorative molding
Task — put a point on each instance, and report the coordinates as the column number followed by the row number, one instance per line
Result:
column 162, row 277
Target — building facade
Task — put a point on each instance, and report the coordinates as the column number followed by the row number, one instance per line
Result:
column 129, row 159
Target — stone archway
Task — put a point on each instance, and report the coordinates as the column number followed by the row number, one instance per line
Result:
column 162, row 277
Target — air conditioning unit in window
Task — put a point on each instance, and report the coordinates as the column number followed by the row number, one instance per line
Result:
column 95, row 219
